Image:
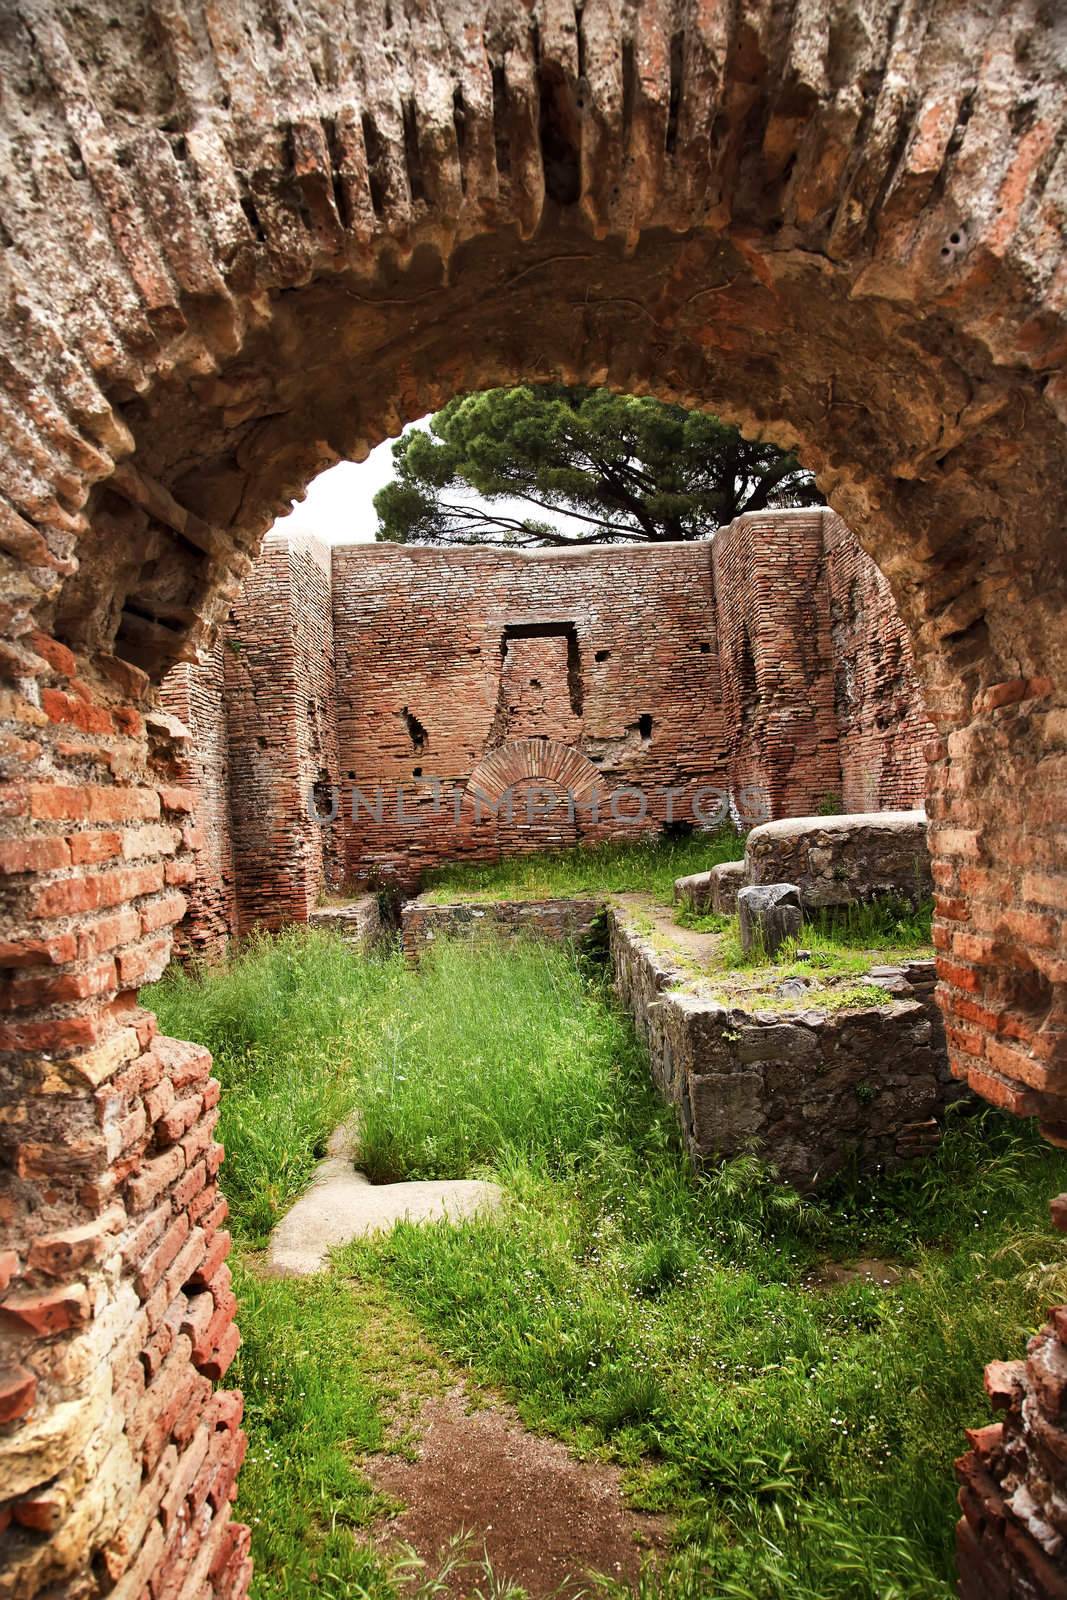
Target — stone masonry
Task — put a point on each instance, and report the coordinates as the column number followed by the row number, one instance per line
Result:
column 238, row 246
column 844, row 861
column 812, row 1089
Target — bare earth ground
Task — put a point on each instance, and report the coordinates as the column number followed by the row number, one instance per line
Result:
column 544, row 1518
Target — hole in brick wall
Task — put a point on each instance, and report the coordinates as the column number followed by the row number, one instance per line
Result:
column 602, row 655
column 416, row 772
column 705, row 649
column 416, row 732
column 1028, row 990
column 535, row 683
column 644, row 725
column 322, row 792
column 552, row 630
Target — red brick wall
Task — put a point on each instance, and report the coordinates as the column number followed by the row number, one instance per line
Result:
column 818, row 681
column 777, row 672
column 279, row 689
column 881, row 719
column 794, row 680
column 115, row 1300
column 437, row 664
column 195, row 695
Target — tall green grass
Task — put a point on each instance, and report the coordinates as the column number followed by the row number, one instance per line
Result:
column 648, row 866
column 292, row 1022
column 802, row 1435
column 494, row 1052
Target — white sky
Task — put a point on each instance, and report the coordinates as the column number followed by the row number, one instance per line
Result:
column 338, row 505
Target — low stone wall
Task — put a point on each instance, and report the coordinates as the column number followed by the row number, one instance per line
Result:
column 841, row 861
column 358, row 922
column 422, row 921
column 812, row 1090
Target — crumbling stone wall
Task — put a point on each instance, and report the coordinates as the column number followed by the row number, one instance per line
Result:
column 814, row 1090
column 423, row 921
column 237, row 248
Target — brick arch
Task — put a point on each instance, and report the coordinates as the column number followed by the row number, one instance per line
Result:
column 526, row 760
column 234, row 253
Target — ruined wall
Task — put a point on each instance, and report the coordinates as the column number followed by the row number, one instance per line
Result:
column 804, row 1087
column 420, row 665
column 279, row 690
column 195, row 696
column 446, row 656
column 116, row 1312
column 821, row 700
column 882, row 723
column 775, row 659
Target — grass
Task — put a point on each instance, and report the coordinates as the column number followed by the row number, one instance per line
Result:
column 648, row 866
column 802, row 1436
column 494, row 1057
column 831, row 948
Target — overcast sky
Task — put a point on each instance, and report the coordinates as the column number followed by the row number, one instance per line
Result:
column 338, row 505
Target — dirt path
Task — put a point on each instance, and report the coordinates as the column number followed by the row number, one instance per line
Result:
column 544, row 1518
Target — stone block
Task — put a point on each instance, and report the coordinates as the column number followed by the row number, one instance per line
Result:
column 769, row 914
column 843, row 861
column 358, row 922
column 727, row 880
column 694, row 891
column 714, row 890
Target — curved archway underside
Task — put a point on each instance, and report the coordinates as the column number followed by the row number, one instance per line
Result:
column 238, row 247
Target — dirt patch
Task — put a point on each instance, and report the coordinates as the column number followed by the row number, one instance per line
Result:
column 543, row 1518
column 869, row 1270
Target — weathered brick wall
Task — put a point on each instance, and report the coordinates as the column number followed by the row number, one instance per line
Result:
column 207, row 296
column 117, row 1460
column 775, row 659
column 882, row 723
column 195, row 695
column 818, row 678
column 279, row 689
column 445, row 656
column 422, row 664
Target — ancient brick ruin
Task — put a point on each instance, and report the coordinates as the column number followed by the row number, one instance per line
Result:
column 237, row 248
column 467, row 704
